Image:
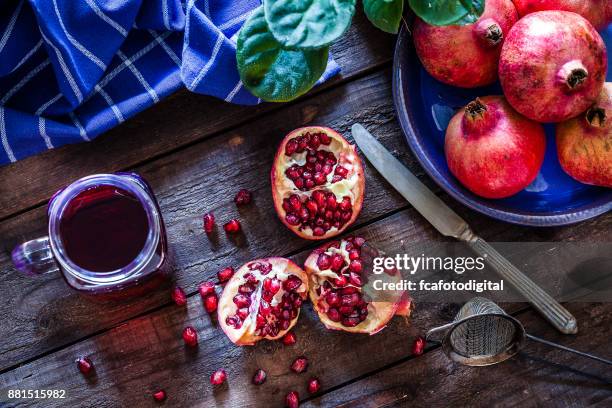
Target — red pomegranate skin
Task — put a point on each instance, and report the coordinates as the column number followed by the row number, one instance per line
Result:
column 465, row 56
column 552, row 66
column 584, row 143
column 598, row 12
column 493, row 150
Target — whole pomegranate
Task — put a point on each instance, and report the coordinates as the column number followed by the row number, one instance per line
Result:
column 262, row 300
column 466, row 56
column 584, row 143
column 317, row 182
column 337, row 277
column 494, row 151
column 598, row 12
column 552, row 66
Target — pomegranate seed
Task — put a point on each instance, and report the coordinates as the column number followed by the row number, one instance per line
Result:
column 160, row 396
column 355, row 266
column 337, row 261
column 206, row 288
column 292, row 400
column 289, row 339
column 242, row 301
column 292, row 283
column 325, row 138
column 290, row 147
column 272, row 285
column 318, row 232
column 225, row 274
column 210, row 302
column 232, row 227
column 334, row 315
column 341, row 281
column 332, row 299
column 355, row 279
column 354, row 254
column 209, row 222
column 243, row 197
column 323, row 261
column 218, row 377
column 190, row 336
column 259, row 377
column 178, row 295
column 358, row 241
column 299, row 365
column 313, row 385
column 345, row 204
column 84, row 365
column 418, row 347
column 292, row 219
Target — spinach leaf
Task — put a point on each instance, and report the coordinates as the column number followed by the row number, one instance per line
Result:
column 308, row 24
column 448, row 12
column 384, row 14
column 270, row 71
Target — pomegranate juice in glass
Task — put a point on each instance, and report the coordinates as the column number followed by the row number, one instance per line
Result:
column 106, row 237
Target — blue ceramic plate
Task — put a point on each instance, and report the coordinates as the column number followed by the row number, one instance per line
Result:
column 424, row 107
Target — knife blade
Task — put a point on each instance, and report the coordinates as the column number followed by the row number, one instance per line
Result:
column 450, row 224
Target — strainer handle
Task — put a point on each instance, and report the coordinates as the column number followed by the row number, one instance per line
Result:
column 552, row 310
column 571, row 350
column 431, row 332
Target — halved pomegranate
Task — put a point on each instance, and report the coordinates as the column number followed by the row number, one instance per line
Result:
column 262, row 300
column 317, row 182
column 337, row 277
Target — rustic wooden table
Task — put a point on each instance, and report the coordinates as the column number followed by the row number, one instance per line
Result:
column 197, row 152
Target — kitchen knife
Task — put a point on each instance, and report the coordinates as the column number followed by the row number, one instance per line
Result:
column 450, row 224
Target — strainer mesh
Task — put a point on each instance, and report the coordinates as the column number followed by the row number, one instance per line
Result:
column 485, row 335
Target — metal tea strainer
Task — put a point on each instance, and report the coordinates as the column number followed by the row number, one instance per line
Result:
column 483, row 334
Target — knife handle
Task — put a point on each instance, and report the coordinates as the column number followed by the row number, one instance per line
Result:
column 552, row 310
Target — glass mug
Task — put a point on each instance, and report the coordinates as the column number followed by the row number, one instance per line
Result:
column 106, row 237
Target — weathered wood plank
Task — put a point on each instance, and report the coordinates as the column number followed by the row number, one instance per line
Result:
column 180, row 120
column 42, row 315
column 538, row 376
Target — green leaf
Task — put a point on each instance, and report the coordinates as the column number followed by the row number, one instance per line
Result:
column 271, row 72
column 308, row 24
column 384, row 14
column 448, row 12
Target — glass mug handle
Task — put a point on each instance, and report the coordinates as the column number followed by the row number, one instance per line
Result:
column 34, row 257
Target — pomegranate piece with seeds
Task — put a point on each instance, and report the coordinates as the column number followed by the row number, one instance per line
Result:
column 292, row 400
column 243, row 197
column 225, row 274
column 209, row 222
column 179, row 297
column 299, row 365
column 317, row 182
column 313, row 385
column 259, row 377
column 232, row 226
column 218, row 377
column 289, row 339
column 159, row 396
column 262, row 300
column 336, row 274
column 84, row 365
column 190, row 336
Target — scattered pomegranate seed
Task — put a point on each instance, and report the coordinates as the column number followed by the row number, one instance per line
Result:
column 209, row 222
column 292, row 400
column 211, row 302
column 243, row 197
column 259, row 377
column 289, row 339
column 190, row 336
column 218, row 377
column 232, row 227
column 299, row 365
column 160, row 396
column 206, row 288
column 178, row 295
column 85, row 365
column 313, row 385
column 225, row 274
column 418, row 346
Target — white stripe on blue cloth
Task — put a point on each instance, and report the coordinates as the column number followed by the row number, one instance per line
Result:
column 165, row 14
column 45, row 105
column 235, row 20
column 43, row 132
column 76, row 43
column 5, row 143
column 209, row 63
column 77, row 123
column 138, row 76
column 106, row 18
column 24, row 81
column 166, row 48
column 233, row 92
column 10, row 26
column 110, row 103
column 28, row 55
column 65, row 70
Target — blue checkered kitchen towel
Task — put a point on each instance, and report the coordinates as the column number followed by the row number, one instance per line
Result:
column 72, row 69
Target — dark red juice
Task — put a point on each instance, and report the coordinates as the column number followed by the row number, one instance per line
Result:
column 104, row 228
